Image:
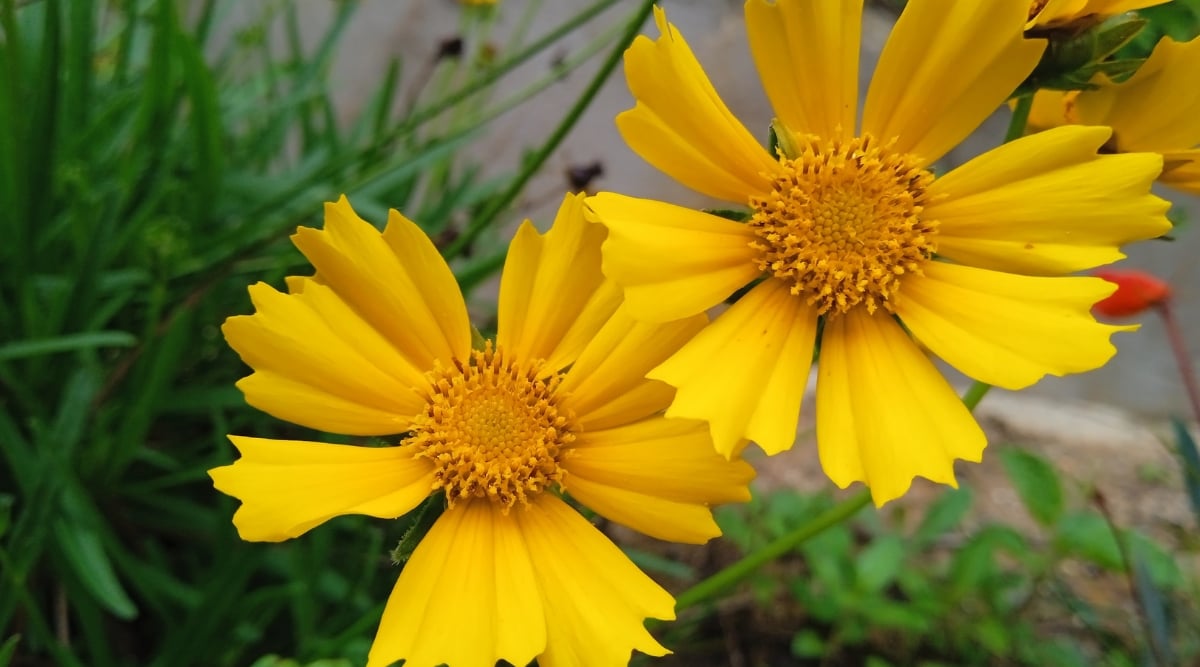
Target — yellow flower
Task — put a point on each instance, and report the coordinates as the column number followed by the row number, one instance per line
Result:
column 848, row 228
column 1156, row 110
column 378, row 343
column 1057, row 14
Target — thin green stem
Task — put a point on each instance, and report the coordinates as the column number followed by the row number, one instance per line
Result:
column 975, row 394
column 731, row 575
column 1020, row 118
column 436, row 108
column 722, row 580
column 535, row 162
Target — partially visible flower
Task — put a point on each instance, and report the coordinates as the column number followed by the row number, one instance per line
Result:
column 1136, row 291
column 477, row 2
column 1156, row 110
column 1078, row 14
column 377, row 343
column 849, row 233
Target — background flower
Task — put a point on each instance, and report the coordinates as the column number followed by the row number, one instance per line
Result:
column 1155, row 110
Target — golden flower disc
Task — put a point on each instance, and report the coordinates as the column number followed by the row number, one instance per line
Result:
column 843, row 224
column 494, row 429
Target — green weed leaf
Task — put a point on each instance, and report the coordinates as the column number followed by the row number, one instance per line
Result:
column 1036, row 483
column 82, row 548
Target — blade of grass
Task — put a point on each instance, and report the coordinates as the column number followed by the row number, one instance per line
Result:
column 539, row 157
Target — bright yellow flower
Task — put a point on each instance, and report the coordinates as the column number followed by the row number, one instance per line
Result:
column 849, row 228
column 1157, row 110
column 378, row 343
column 1053, row 14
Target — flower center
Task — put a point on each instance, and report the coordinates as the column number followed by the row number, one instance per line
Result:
column 843, row 223
column 493, row 429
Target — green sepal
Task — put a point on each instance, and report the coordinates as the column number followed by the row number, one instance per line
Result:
column 1071, row 62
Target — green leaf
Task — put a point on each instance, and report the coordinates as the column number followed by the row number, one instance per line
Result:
column 1087, row 535
column 1191, row 463
column 8, row 649
column 1036, row 483
column 943, row 515
column 1154, row 609
column 879, row 563
column 204, row 122
column 81, row 547
column 6, row 504
column 1158, row 563
column 808, row 644
column 71, row 342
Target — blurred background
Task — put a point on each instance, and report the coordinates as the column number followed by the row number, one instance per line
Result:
column 156, row 156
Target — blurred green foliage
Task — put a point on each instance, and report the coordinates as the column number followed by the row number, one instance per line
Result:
column 948, row 590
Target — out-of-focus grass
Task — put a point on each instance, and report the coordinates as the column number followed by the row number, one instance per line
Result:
column 147, row 176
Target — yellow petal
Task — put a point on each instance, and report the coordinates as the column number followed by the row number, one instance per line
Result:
column 672, row 262
column 1057, row 11
column 289, row 486
column 596, row 599
column 884, row 413
column 468, row 596
column 1004, row 329
column 746, row 372
column 1155, row 109
column 807, row 57
column 1047, row 204
column 396, row 281
column 681, row 126
column 658, row 476
column 302, row 403
column 945, row 68
column 1181, row 170
column 1050, row 108
column 607, row 385
column 314, row 339
column 548, row 282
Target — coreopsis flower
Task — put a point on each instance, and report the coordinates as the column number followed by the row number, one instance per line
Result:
column 1068, row 14
column 1155, row 110
column 1136, row 292
column 850, row 238
column 378, row 343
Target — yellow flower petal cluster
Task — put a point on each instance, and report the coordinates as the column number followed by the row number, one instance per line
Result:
column 1056, row 14
column 378, row 343
column 851, row 242
column 1155, row 110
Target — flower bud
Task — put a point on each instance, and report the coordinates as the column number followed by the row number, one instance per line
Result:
column 1136, row 291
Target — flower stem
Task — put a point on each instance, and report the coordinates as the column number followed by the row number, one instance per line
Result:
column 975, row 394
column 1020, row 118
column 535, row 161
column 743, row 568
column 1182, row 359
